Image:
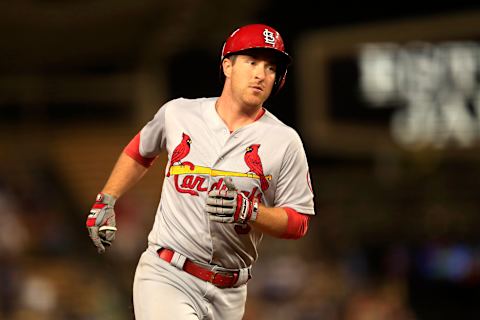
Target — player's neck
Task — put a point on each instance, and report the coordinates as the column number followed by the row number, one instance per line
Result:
column 235, row 115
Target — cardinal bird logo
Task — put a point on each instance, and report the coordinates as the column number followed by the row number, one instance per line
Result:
column 252, row 159
column 180, row 151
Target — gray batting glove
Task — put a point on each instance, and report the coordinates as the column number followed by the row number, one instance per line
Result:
column 101, row 221
column 231, row 206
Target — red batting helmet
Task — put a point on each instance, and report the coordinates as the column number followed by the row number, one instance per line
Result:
column 259, row 36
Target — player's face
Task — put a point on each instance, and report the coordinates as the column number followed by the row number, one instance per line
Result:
column 252, row 77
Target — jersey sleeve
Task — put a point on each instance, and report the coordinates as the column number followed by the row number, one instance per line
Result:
column 294, row 188
column 150, row 141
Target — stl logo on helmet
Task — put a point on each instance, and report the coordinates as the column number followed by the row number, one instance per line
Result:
column 269, row 37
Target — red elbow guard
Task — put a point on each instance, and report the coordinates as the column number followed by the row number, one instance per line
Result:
column 297, row 224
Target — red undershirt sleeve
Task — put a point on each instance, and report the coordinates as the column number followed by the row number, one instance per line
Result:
column 297, row 224
column 132, row 150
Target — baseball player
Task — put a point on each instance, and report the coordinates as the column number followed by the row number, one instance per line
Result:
column 234, row 173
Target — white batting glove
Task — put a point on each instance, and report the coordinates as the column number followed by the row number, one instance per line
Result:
column 231, row 206
column 101, row 221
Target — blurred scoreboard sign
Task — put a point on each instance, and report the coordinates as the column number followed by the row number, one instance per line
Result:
column 410, row 84
column 436, row 84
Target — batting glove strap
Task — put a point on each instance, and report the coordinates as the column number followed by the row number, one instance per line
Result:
column 246, row 210
column 254, row 210
column 106, row 199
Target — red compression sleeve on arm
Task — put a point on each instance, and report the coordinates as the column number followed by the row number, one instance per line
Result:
column 297, row 224
column 132, row 150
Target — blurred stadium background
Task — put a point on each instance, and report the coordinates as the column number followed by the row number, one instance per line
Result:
column 387, row 101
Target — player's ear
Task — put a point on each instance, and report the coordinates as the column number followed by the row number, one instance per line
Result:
column 227, row 64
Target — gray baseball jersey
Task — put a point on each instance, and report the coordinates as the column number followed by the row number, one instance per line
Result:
column 265, row 159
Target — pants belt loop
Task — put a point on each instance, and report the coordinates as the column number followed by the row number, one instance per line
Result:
column 243, row 277
column 178, row 260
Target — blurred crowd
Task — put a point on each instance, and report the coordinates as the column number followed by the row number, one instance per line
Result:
column 50, row 270
column 44, row 273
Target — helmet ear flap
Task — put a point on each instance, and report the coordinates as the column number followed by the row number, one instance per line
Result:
column 279, row 82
